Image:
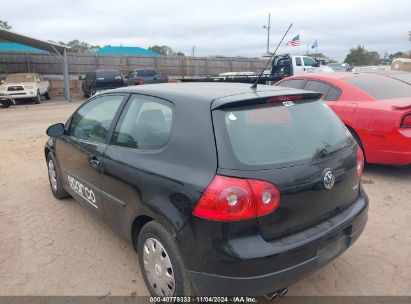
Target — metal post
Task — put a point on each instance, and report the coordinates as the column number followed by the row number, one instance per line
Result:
column 268, row 32
column 66, row 77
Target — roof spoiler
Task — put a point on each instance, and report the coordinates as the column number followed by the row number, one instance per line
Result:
column 285, row 99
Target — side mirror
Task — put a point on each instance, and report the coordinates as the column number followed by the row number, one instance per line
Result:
column 55, row 130
column 81, row 77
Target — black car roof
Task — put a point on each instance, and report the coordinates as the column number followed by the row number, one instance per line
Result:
column 206, row 91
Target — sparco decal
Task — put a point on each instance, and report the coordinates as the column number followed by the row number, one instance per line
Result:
column 82, row 190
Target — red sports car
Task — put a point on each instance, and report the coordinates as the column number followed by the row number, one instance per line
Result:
column 375, row 108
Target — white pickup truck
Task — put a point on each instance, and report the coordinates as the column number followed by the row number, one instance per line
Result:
column 287, row 65
column 25, row 86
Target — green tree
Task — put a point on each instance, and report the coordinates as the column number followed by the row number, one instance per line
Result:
column 391, row 57
column 360, row 56
column 77, row 46
column 4, row 25
column 165, row 50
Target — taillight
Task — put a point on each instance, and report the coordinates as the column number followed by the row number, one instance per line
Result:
column 234, row 199
column 406, row 122
column 360, row 162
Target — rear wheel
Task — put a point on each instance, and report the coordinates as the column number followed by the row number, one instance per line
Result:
column 161, row 263
column 357, row 139
column 37, row 99
column 56, row 184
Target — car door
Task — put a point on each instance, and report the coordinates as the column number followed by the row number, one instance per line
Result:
column 298, row 65
column 135, row 162
column 80, row 152
column 309, row 65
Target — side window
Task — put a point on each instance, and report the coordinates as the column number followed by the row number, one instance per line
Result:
column 309, row 62
column 298, row 61
column 317, row 86
column 293, row 83
column 93, row 120
column 144, row 124
column 131, row 74
column 333, row 94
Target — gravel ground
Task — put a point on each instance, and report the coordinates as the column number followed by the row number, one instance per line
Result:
column 48, row 247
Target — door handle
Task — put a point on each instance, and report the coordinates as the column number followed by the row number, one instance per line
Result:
column 94, row 162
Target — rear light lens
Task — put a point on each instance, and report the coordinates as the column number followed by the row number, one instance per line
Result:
column 266, row 196
column 406, row 122
column 360, row 162
column 285, row 98
column 234, row 199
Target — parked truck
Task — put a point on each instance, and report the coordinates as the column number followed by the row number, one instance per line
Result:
column 100, row 80
column 145, row 76
column 23, row 86
column 282, row 66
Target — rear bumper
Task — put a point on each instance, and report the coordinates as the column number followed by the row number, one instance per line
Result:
column 292, row 257
column 394, row 149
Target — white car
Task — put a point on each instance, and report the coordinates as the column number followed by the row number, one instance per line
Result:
column 25, row 86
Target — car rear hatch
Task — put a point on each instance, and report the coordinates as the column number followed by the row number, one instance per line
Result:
column 294, row 142
column 108, row 79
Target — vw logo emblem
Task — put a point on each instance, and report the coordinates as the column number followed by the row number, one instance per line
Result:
column 329, row 180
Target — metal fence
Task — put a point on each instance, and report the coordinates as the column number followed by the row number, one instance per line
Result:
column 79, row 64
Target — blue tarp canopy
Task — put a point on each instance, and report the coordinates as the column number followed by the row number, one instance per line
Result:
column 17, row 47
column 126, row 50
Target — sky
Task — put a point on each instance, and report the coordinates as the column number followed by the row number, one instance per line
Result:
column 218, row 27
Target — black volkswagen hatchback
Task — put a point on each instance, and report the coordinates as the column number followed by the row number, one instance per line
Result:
column 222, row 189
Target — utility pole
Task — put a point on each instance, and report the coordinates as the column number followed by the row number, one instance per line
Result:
column 268, row 33
column 409, row 38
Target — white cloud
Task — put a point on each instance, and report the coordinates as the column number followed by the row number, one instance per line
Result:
column 228, row 28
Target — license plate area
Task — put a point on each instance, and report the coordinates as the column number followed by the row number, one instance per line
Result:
column 332, row 247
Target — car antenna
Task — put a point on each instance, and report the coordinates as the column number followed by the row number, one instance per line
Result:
column 254, row 86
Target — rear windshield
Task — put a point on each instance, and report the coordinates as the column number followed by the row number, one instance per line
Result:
column 278, row 135
column 381, row 87
column 146, row 73
column 108, row 74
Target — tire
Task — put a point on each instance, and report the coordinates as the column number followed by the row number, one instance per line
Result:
column 358, row 140
column 37, row 99
column 47, row 95
column 155, row 239
column 56, row 184
column 5, row 104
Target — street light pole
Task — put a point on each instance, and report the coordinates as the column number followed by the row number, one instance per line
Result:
column 268, row 33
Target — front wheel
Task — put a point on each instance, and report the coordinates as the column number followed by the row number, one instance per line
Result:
column 37, row 99
column 161, row 264
column 5, row 104
column 47, row 95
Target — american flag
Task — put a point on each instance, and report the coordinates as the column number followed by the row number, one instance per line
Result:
column 295, row 41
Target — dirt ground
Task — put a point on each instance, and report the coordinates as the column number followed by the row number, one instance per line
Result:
column 48, row 247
